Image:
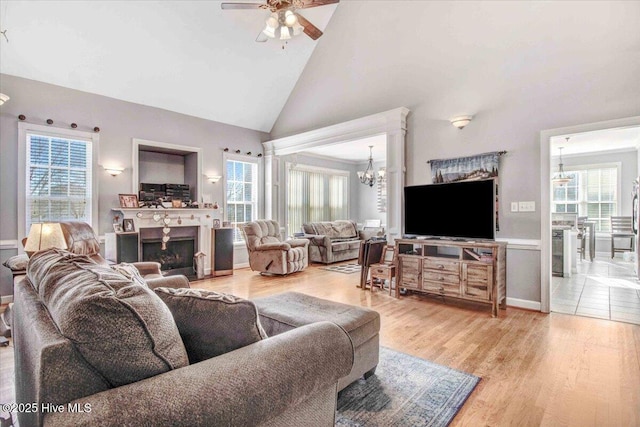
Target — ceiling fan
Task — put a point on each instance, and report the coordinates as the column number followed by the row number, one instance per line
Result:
column 284, row 21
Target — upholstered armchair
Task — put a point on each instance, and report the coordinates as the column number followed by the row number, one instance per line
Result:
column 268, row 253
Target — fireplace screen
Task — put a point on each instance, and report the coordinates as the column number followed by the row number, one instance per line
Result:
column 177, row 258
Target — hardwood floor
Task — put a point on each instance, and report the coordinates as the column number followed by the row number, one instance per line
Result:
column 536, row 369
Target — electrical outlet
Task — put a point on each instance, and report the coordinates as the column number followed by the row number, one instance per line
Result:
column 514, row 206
column 527, row 206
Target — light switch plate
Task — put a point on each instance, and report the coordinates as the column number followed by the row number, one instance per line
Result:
column 514, row 206
column 527, row 206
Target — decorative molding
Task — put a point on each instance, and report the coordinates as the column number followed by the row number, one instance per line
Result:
column 523, row 303
column 385, row 122
column 8, row 244
column 522, row 244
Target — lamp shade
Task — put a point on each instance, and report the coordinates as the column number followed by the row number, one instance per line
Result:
column 44, row 236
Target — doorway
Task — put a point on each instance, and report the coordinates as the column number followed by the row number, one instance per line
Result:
column 601, row 163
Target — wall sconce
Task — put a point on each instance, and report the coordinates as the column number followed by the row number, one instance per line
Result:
column 3, row 98
column 114, row 171
column 214, row 178
column 461, row 121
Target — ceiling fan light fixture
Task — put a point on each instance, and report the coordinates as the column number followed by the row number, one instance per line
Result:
column 290, row 18
column 269, row 31
column 285, row 33
column 272, row 21
column 297, row 29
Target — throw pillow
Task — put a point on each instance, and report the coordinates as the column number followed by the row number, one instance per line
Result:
column 212, row 323
column 121, row 328
column 17, row 262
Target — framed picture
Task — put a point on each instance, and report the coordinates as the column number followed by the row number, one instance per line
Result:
column 128, row 225
column 117, row 227
column 216, row 223
column 128, row 201
column 176, row 203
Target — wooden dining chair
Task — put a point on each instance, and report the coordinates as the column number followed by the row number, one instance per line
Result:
column 622, row 228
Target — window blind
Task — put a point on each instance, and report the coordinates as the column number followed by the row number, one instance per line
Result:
column 316, row 195
column 59, row 187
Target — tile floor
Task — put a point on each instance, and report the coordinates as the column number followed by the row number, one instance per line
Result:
column 604, row 288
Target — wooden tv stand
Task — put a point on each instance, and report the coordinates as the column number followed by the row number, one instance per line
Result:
column 470, row 270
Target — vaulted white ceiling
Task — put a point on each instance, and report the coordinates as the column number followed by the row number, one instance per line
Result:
column 191, row 57
column 445, row 57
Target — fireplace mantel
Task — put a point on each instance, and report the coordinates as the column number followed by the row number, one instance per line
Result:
column 178, row 217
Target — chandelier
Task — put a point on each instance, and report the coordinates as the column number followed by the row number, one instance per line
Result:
column 368, row 176
column 283, row 24
column 561, row 178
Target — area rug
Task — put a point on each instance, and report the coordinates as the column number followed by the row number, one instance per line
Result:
column 405, row 391
column 344, row 268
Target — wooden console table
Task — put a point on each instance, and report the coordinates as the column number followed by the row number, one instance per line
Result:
column 474, row 271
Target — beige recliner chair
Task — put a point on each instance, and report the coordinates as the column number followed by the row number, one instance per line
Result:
column 268, row 253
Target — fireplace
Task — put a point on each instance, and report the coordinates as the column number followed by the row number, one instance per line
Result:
column 177, row 258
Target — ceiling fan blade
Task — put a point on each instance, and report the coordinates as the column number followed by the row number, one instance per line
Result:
column 262, row 37
column 309, row 29
column 227, row 6
column 315, row 3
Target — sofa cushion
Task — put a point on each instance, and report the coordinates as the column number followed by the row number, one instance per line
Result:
column 212, row 323
column 332, row 229
column 121, row 328
column 340, row 246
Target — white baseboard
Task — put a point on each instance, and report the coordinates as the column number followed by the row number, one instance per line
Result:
column 6, row 299
column 241, row 265
column 523, row 303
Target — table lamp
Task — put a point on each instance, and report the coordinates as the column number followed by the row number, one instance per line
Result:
column 44, row 236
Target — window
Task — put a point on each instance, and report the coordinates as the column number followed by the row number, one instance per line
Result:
column 565, row 198
column 58, row 179
column 316, row 195
column 242, row 193
column 592, row 192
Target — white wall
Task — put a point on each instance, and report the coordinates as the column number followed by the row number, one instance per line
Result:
column 119, row 122
column 532, row 67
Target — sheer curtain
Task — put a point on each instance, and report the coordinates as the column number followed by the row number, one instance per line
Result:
column 316, row 195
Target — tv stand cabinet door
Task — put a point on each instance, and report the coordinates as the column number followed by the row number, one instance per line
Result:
column 477, row 279
column 410, row 271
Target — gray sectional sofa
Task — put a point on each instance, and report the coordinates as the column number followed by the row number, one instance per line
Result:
column 109, row 350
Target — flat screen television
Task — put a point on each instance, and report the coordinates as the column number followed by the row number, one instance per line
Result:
column 464, row 210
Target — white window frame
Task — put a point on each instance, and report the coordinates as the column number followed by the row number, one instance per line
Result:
column 618, row 167
column 24, row 129
column 259, row 208
column 310, row 168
